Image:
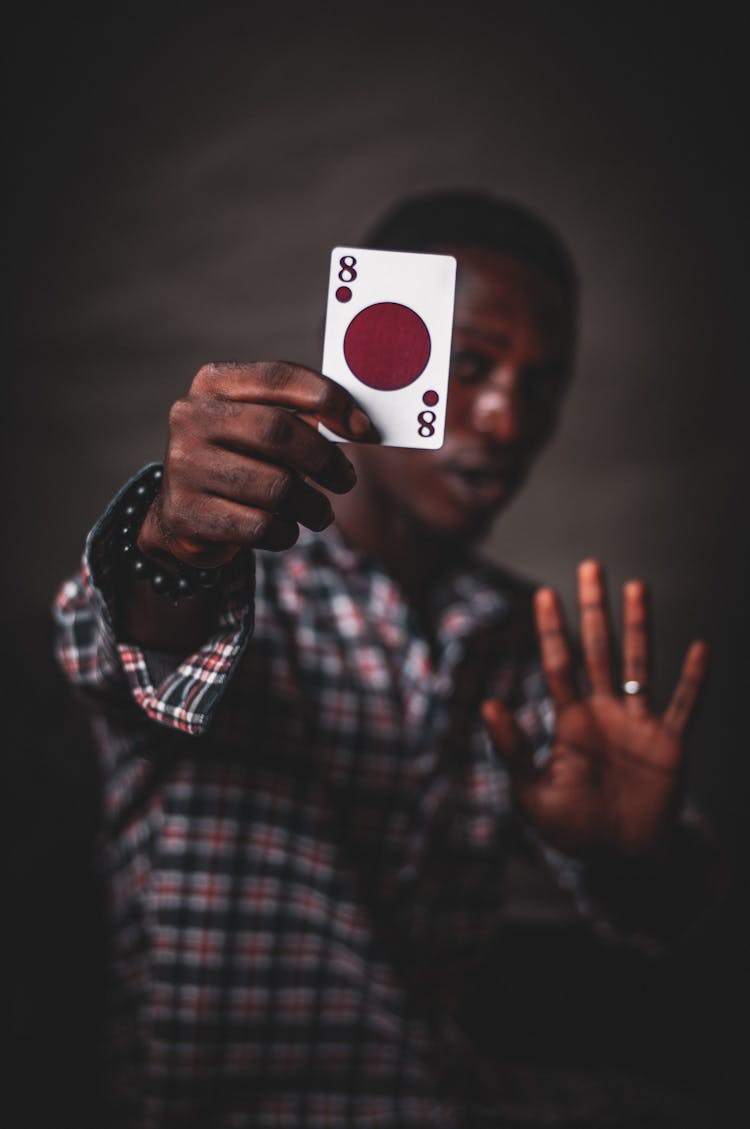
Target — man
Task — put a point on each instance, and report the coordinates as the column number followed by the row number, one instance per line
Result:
column 316, row 761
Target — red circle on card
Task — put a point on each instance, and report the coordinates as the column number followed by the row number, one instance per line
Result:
column 343, row 293
column 387, row 346
column 430, row 398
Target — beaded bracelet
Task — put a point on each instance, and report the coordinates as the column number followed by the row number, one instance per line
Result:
column 129, row 518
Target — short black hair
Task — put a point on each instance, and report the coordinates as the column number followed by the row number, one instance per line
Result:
column 477, row 219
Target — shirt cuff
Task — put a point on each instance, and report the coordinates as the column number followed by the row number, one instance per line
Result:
column 654, row 903
column 187, row 697
column 663, row 900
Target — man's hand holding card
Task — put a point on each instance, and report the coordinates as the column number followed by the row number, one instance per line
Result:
column 389, row 320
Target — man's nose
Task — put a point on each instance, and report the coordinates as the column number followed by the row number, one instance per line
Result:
column 497, row 408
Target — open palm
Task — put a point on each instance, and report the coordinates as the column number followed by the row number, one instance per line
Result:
column 613, row 776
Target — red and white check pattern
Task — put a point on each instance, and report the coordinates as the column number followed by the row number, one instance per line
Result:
column 304, row 839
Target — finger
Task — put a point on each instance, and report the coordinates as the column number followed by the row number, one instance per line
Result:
column 557, row 660
column 680, row 708
column 595, row 627
column 292, row 386
column 508, row 737
column 250, row 482
column 278, row 436
column 636, row 646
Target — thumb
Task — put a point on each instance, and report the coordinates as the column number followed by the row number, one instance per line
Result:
column 508, row 738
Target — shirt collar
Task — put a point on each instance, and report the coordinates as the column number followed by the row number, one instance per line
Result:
column 469, row 596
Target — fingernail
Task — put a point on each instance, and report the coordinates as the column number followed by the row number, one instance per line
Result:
column 359, row 423
column 350, row 468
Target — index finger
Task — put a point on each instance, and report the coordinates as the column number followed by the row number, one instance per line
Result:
column 677, row 714
column 289, row 385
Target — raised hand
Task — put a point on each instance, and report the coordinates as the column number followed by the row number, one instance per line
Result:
column 613, row 777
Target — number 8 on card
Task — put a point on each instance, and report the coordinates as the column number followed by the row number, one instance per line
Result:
column 389, row 321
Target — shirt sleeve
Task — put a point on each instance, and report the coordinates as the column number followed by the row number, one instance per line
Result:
column 178, row 691
column 664, row 900
column 651, row 904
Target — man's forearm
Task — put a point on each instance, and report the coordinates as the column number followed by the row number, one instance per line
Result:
column 156, row 622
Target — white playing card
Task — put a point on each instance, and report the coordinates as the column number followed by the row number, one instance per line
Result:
column 389, row 321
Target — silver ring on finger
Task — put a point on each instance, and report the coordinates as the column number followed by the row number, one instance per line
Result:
column 633, row 687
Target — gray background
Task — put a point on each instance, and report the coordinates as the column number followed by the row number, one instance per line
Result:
column 180, row 180
column 177, row 178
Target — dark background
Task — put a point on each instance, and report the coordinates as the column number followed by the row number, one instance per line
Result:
column 175, row 180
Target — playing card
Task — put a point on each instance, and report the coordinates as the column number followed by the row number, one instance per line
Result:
column 388, row 330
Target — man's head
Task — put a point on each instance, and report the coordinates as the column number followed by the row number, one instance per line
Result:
column 512, row 355
column 470, row 218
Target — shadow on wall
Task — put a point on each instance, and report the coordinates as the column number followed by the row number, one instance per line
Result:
column 53, row 908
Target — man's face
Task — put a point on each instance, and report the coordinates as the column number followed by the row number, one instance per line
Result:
column 511, row 358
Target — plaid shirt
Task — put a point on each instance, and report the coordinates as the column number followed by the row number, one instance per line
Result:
column 304, row 838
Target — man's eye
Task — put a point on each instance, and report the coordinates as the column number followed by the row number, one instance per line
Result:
column 469, row 367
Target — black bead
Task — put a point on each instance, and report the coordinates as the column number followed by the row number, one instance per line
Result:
column 127, row 524
column 160, row 582
column 184, row 586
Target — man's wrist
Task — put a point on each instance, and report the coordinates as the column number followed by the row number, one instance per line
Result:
column 664, row 891
column 144, row 546
column 152, row 543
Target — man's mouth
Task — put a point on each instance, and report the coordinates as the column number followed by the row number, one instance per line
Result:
column 478, row 485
